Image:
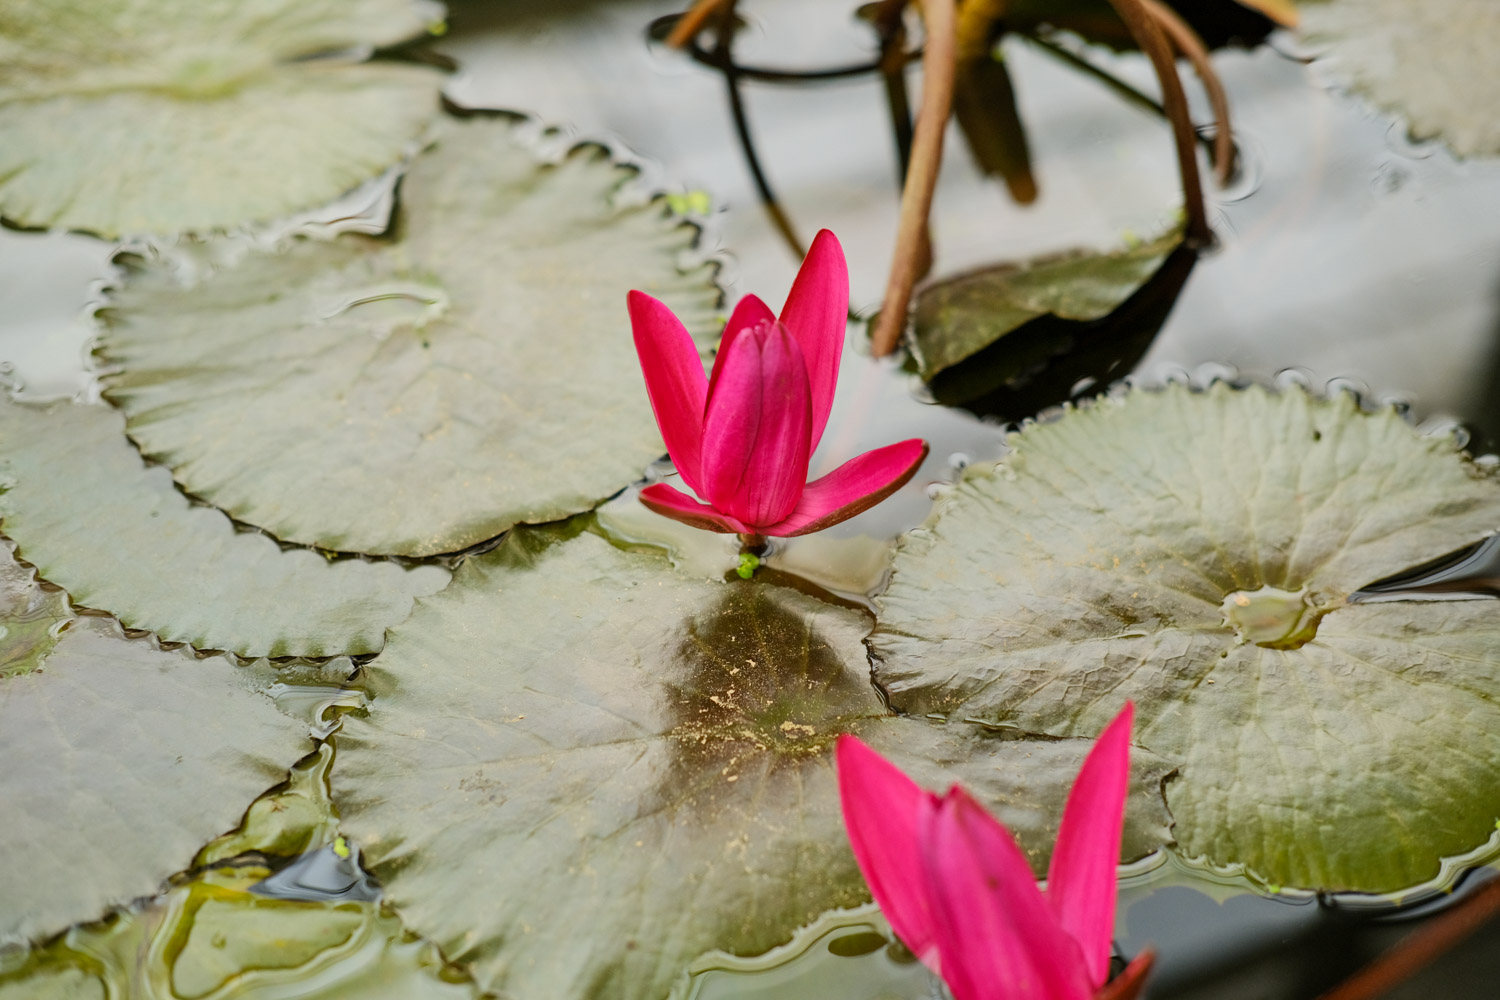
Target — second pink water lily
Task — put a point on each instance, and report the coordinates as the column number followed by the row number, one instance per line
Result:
column 742, row 437
column 958, row 890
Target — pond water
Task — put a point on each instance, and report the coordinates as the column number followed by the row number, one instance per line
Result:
column 1347, row 255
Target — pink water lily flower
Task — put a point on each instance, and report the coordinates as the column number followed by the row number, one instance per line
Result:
column 960, row 893
column 742, row 438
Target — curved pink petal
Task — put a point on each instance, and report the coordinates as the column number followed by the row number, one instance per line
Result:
column 674, row 380
column 884, row 813
column 749, row 313
column 1131, row 981
column 852, row 488
column 817, row 313
column 677, row 505
column 1081, row 876
column 755, row 428
column 997, row 937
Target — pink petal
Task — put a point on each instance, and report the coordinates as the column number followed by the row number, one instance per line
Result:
column 852, row 488
column 755, row 428
column 1131, row 980
column 817, row 313
column 674, row 380
column 1081, row 877
column 996, row 935
column 748, row 314
column 677, row 505
column 884, row 812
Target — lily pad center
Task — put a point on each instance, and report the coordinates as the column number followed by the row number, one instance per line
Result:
column 1274, row 618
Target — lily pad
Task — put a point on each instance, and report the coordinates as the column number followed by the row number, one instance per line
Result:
column 121, row 759
column 420, row 392
column 957, row 318
column 1431, row 63
column 216, row 937
column 118, row 536
column 123, row 117
column 581, row 770
column 1195, row 551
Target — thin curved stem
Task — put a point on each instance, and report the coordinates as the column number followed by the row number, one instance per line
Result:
column 1148, row 35
column 913, row 249
column 1422, row 947
column 891, row 29
column 1114, row 83
column 693, row 20
column 1188, row 42
column 724, row 62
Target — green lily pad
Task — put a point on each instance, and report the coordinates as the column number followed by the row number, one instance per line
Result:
column 421, row 392
column 1196, row 552
column 123, row 117
column 215, row 937
column 956, row 318
column 121, row 759
column 119, row 537
column 1430, row 63
column 581, row 770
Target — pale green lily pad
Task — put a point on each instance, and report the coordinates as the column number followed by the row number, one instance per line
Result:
column 124, row 117
column 1097, row 562
column 958, row 317
column 119, row 537
column 581, row 770
column 121, row 759
column 1430, row 63
column 421, row 392
column 214, row 937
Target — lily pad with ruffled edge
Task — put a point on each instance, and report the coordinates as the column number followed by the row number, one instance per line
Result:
column 1430, row 64
column 121, row 758
column 419, row 392
column 1015, row 338
column 1196, row 551
column 191, row 115
column 118, row 536
column 582, row 770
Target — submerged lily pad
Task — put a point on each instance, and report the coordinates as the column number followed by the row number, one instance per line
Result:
column 1195, row 552
column 581, row 770
column 124, row 117
column 121, row 759
column 958, row 317
column 216, row 937
column 1430, row 63
column 420, row 392
column 119, row 537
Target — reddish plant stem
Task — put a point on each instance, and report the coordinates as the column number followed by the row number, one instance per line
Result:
column 1148, row 35
column 692, row 21
column 1421, row 948
column 1188, row 42
column 913, row 252
column 753, row 545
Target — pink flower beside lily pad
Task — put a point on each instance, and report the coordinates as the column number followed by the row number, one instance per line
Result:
column 742, row 437
column 959, row 892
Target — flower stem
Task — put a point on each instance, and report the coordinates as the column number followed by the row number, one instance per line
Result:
column 753, row 545
column 692, row 22
column 1420, row 948
column 890, row 27
column 724, row 60
column 1188, row 42
column 1148, row 35
column 913, row 251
